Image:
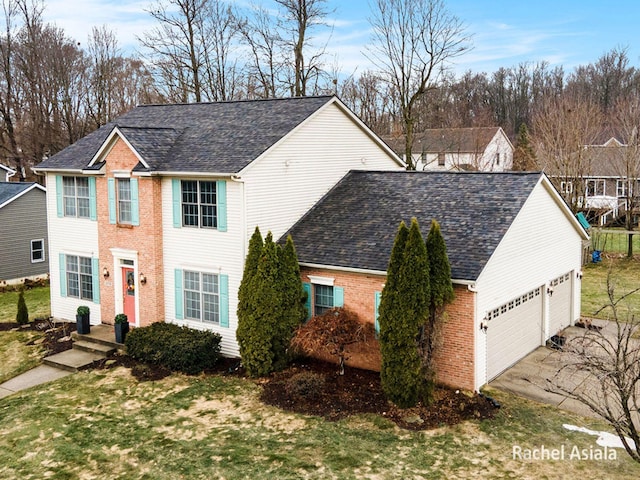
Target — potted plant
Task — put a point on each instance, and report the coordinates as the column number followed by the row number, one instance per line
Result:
column 121, row 326
column 82, row 320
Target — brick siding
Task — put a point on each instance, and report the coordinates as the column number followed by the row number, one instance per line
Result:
column 455, row 354
column 146, row 239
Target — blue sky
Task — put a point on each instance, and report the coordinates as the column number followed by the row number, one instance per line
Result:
column 505, row 33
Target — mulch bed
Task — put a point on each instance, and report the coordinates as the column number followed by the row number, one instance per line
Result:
column 57, row 335
column 307, row 386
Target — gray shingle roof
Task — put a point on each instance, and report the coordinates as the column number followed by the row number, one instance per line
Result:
column 446, row 140
column 221, row 137
column 355, row 224
column 8, row 190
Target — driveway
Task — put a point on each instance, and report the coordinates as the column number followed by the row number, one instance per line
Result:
column 529, row 377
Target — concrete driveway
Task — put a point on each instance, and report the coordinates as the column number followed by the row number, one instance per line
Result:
column 530, row 377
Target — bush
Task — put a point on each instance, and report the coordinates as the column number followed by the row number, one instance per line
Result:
column 305, row 385
column 22, row 317
column 177, row 348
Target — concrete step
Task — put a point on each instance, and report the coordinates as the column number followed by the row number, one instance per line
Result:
column 94, row 347
column 72, row 360
column 99, row 334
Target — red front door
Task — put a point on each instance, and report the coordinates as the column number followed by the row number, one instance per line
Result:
column 129, row 294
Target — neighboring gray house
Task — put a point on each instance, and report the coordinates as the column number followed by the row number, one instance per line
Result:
column 23, row 232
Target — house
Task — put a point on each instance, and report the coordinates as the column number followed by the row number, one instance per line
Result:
column 23, row 232
column 484, row 149
column 151, row 214
column 513, row 244
column 608, row 184
column 7, row 172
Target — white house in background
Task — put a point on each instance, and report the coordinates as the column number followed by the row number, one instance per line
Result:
column 151, row 214
column 483, row 149
column 7, row 172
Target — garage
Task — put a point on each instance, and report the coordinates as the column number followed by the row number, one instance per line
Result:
column 514, row 329
column 560, row 303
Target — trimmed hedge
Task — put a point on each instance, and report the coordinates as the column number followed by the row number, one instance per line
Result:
column 177, row 348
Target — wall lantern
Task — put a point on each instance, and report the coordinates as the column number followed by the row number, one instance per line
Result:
column 105, row 272
column 143, row 279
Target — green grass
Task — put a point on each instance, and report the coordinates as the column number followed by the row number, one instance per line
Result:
column 613, row 241
column 624, row 276
column 37, row 300
column 215, row 427
column 16, row 356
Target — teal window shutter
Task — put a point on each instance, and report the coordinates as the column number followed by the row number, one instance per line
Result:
column 221, row 200
column 59, row 200
column 63, row 274
column 224, row 301
column 307, row 304
column 176, row 199
column 135, row 204
column 338, row 297
column 111, row 190
column 93, row 208
column 376, row 304
column 179, row 297
column 95, row 279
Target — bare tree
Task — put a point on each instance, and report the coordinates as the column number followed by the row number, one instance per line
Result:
column 562, row 128
column 298, row 19
column 413, row 40
column 601, row 369
column 368, row 96
column 627, row 121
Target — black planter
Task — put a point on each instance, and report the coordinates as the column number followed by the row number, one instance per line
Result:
column 557, row 342
column 83, row 327
column 121, row 330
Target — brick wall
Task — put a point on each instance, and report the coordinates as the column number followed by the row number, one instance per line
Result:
column 146, row 239
column 455, row 355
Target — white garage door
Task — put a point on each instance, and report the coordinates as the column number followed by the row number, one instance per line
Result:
column 514, row 330
column 560, row 303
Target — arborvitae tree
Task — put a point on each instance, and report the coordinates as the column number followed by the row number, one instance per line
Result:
column 22, row 317
column 245, row 296
column 524, row 157
column 388, row 315
column 293, row 307
column 256, row 334
column 441, row 293
column 402, row 316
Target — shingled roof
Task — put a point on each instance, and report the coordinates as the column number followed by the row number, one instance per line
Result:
column 355, row 224
column 222, row 137
column 11, row 190
column 446, row 140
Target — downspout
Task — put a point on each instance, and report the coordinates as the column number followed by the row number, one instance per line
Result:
column 480, row 334
column 240, row 180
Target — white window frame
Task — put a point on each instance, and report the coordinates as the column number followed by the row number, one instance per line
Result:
column 76, row 198
column 199, row 205
column 41, row 249
column 124, row 204
column 592, row 187
column 566, row 187
column 80, row 276
column 202, row 296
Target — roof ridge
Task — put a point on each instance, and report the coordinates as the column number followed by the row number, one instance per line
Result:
column 227, row 102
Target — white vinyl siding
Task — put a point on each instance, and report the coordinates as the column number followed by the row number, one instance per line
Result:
column 543, row 242
column 287, row 181
column 67, row 235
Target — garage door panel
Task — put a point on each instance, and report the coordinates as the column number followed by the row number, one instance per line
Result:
column 514, row 330
column 560, row 303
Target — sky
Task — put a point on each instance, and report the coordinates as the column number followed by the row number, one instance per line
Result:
column 504, row 33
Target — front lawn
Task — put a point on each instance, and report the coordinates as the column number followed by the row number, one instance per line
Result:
column 106, row 424
column 625, row 277
column 37, row 300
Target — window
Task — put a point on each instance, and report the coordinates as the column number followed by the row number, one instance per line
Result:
column 622, row 187
column 441, row 159
column 322, row 299
column 75, row 197
column 37, row 251
column 566, row 187
column 498, row 158
column 202, row 297
column 199, row 207
column 79, row 277
column 595, row 187
column 124, row 201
